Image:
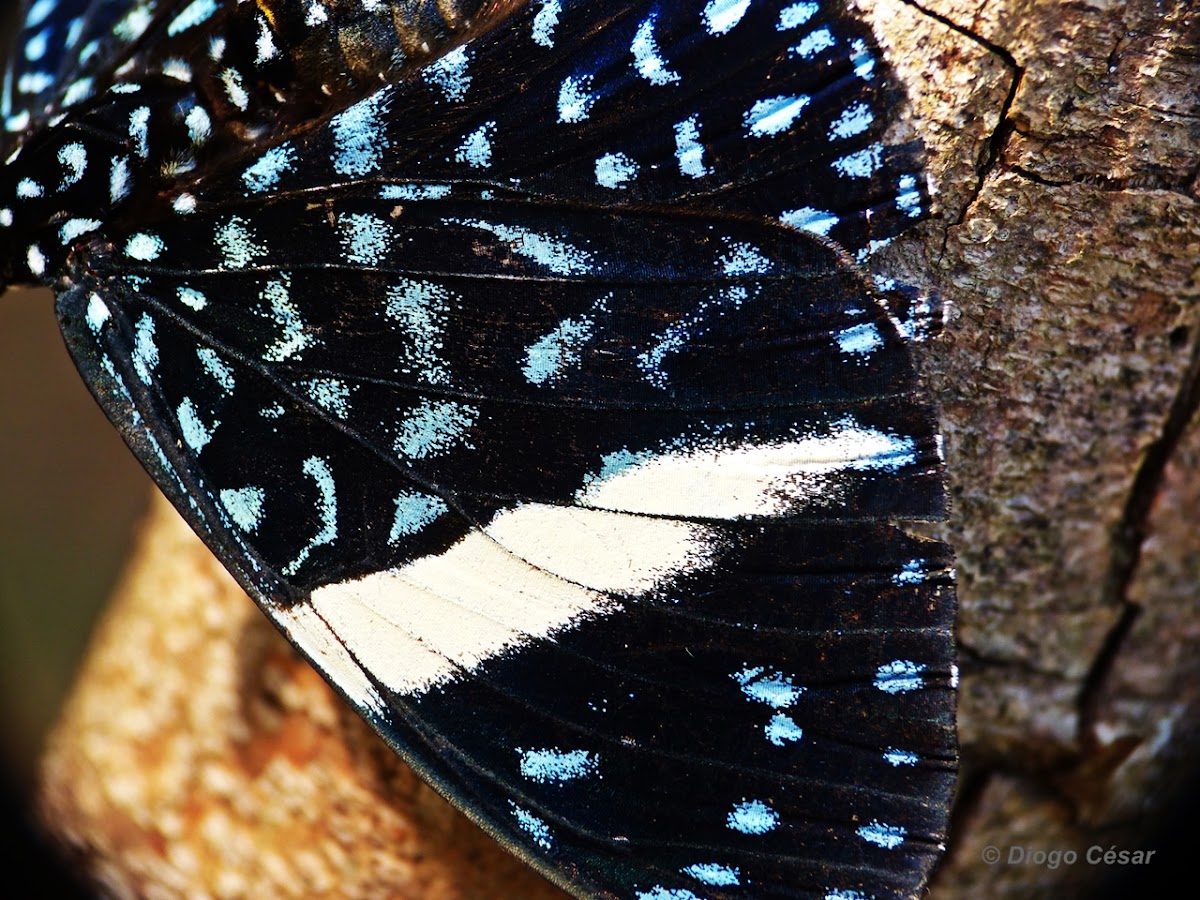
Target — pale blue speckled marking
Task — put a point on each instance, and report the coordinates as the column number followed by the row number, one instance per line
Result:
column 862, row 60
column 74, row 32
column 774, row 689
column 556, row 255
column 864, row 253
column 244, row 505
column 119, row 179
column 135, row 23
column 145, row 351
column 658, row 892
column 816, row 221
column 782, row 729
column 34, row 82
column 199, row 125
column 331, row 394
column 840, row 894
column 647, row 58
column 859, row 340
column 574, row 99
column 6, row 217
column 476, row 148
column 714, row 874
column 360, row 135
column 127, row 87
column 268, row 168
column 18, row 122
column 889, row 837
column 900, row 757
column 97, row 313
column 796, row 15
column 90, row 49
column 195, row 433
column 264, row 46
column 35, row 259
column 744, row 259
column 688, row 149
column 908, row 200
column 280, row 310
column 318, row 469
column 721, row 15
column 774, row 115
column 74, row 160
column 237, row 242
column 316, row 15
column 545, row 22
column 234, row 89
column 862, row 163
column 35, row 47
column 139, row 130
column 854, row 120
column 106, row 363
column 144, row 246
column 752, row 817
column 38, row 12
column 817, row 42
column 178, row 69
column 414, row 191
column 675, row 336
column 913, row 572
column 433, row 428
column 450, row 73
column 77, row 91
column 414, row 511
column 551, row 765
column 420, row 307
column 550, row 356
column 221, row 373
column 184, row 204
column 274, row 411
column 192, row 298
column 73, row 228
column 533, row 826
column 613, row 170
column 27, row 189
column 365, row 237
column 195, row 13
column 899, row 677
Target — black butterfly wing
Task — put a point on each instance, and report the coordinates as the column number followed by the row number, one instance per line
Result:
column 67, row 51
column 576, row 474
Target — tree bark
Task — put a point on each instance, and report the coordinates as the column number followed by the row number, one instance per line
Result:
column 1065, row 138
column 200, row 756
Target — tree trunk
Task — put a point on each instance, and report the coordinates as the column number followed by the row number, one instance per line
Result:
column 199, row 754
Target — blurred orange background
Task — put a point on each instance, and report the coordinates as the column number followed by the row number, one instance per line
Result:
column 70, row 494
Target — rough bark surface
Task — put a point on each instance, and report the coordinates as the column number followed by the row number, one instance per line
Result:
column 200, row 757
column 1065, row 138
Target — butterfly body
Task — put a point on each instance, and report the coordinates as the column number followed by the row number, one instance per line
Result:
column 518, row 363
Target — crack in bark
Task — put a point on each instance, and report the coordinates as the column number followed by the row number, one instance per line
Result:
column 1128, row 537
column 994, row 146
column 1143, row 181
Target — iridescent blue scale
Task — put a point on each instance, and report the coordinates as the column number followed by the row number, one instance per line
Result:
column 518, row 360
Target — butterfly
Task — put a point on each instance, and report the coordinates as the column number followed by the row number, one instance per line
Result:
column 519, row 362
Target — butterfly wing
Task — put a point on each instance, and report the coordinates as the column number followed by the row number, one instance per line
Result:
column 526, row 395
